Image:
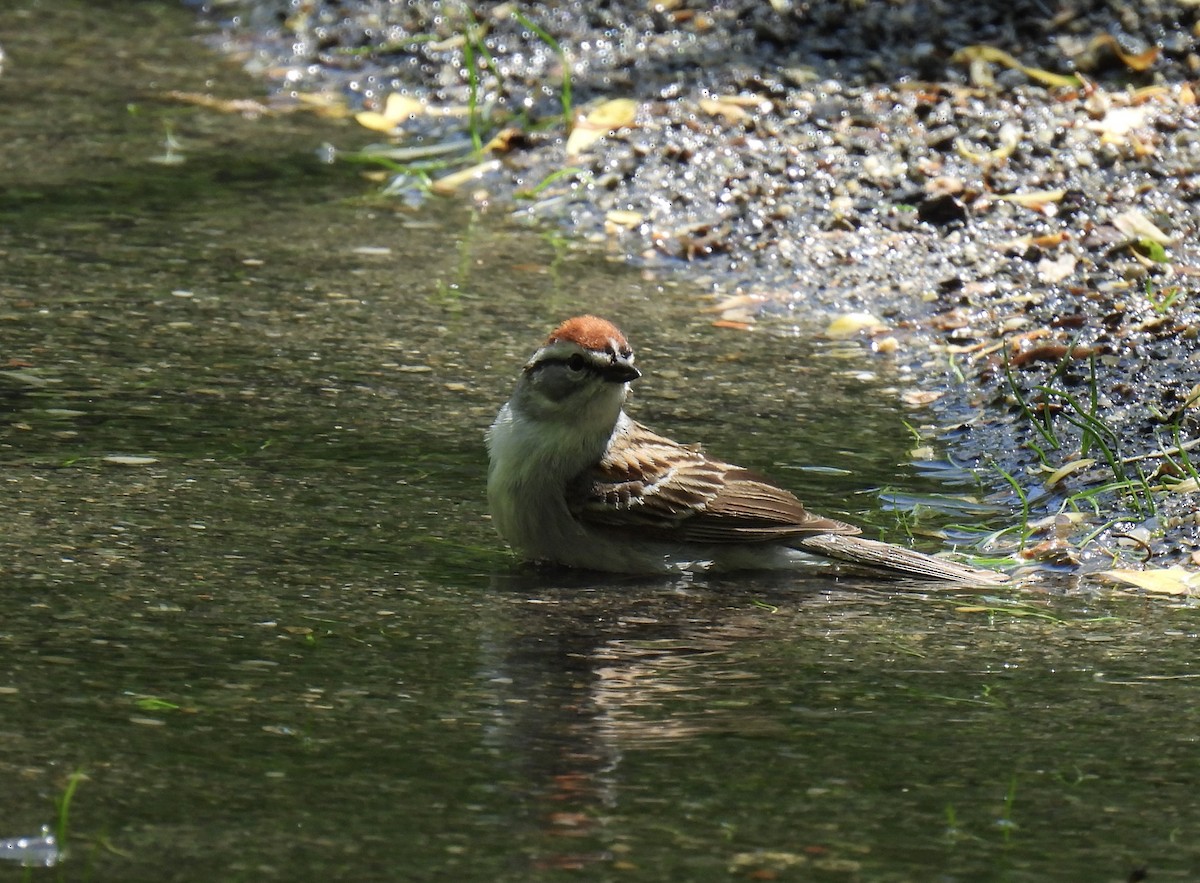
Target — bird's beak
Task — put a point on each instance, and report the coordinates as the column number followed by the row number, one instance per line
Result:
column 620, row 371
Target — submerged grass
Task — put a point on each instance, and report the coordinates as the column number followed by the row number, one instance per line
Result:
column 402, row 45
column 414, row 168
column 1022, row 529
column 1129, row 481
column 1162, row 301
column 473, row 122
column 570, row 171
column 474, row 48
column 1042, row 425
column 564, row 92
column 63, row 805
column 1006, row 823
column 1184, row 466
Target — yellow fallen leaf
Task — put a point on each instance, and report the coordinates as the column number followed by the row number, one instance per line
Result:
column 1062, row 521
column 396, row 110
column 1063, row 471
column 401, row 107
column 1152, row 93
column 739, row 307
column 757, row 102
column 248, row 107
column 999, row 56
column 919, row 397
column 849, row 324
column 1034, row 199
column 605, row 118
column 504, row 140
column 320, row 99
column 449, row 185
column 1136, row 225
column 981, row 74
column 1010, row 139
column 325, row 104
column 727, row 110
column 616, row 113
column 1187, row 486
column 377, row 122
column 624, row 220
column 1161, row 581
column 1139, row 62
column 1050, row 240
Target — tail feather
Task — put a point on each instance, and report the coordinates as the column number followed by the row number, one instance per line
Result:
column 872, row 553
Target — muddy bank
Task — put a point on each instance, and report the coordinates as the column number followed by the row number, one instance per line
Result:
column 1017, row 221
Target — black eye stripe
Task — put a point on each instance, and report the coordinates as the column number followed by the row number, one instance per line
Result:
column 574, row 362
column 610, row 365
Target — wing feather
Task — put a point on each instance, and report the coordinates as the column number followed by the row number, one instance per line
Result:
column 652, row 485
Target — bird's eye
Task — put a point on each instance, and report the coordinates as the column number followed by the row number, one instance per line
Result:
column 577, row 362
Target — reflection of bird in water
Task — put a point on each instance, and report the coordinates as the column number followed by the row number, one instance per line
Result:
column 583, row 673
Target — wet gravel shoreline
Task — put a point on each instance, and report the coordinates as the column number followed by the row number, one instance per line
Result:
column 1026, row 247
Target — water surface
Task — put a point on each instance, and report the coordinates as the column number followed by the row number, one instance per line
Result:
column 250, row 589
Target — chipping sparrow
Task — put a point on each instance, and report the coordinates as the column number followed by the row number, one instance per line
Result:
column 573, row 480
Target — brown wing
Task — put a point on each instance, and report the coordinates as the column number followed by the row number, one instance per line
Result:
column 660, row 488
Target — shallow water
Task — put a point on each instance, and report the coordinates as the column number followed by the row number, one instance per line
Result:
column 251, row 593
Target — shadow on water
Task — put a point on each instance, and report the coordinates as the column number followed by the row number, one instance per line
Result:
column 251, row 592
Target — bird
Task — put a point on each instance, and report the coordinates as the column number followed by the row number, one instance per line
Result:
column 574, row 481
